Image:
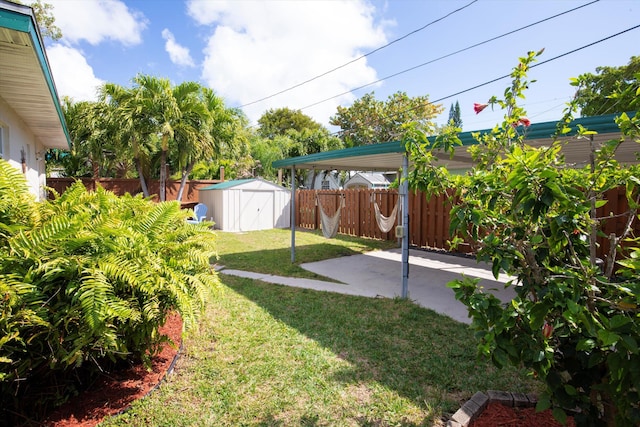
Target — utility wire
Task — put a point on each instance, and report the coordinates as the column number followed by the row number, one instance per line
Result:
column 508, row 75
column 360, row 57
column 450, row 54
column 539, row 63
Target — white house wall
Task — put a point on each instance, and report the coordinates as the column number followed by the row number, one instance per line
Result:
column 17, row 137
column 334, row 183
column 357, row 180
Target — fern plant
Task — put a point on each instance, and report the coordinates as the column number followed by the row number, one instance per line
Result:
column 87, row 279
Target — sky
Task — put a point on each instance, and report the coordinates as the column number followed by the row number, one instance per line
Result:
column 316, row 55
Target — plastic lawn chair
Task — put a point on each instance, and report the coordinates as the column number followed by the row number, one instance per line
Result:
column 200, row 211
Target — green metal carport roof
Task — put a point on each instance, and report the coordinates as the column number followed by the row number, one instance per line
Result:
column 388, row 156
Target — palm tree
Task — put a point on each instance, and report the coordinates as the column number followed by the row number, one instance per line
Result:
column 88, row 134
column 191, row 130
column 134, row 127
column 212, row 137
column 157, row 99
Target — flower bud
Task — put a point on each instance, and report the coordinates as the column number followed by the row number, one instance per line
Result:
column 547, row 330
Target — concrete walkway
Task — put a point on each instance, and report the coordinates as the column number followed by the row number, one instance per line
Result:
column 379, row 274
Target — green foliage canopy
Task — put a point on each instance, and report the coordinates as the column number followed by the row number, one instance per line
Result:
column 279, row 121
column 609, row 90
column 370, row 121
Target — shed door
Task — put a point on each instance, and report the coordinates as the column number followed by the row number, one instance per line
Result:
column 256, row 210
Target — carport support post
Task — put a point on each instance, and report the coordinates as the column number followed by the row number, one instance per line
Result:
column 404, row 194
column 293, row 214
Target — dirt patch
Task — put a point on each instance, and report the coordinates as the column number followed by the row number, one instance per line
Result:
column 499, row 415
column 114, row 394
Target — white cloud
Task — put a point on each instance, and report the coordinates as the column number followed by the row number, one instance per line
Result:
column 73, row 75
column 98, row 20
column 259, row 48
column 178, row 54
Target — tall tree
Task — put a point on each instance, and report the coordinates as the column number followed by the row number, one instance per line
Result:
column 278, row 121
column 93, row 140
column 454, row 115
column 609, row 90
column 206, row 131
column 192, row 138
column 135, row 129
column 289, row 133
column 161, row 103
column 370, row 121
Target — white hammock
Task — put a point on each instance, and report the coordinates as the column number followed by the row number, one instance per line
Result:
column 386, row 222
column 330, row 224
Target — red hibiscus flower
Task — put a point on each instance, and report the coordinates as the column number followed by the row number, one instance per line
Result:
column 524, row 122
column 479, row 107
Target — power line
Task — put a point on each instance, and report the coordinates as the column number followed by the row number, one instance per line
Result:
column 450, row 54
column 540, row 63
column 508, row 75
column 360, row 57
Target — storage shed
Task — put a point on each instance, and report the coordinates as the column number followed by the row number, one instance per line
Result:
column 247, row 205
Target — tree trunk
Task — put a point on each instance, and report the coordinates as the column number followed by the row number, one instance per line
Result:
column 163, row 175
column 95, row 166
column 138, row 164
column 143, row 182
column 183, row 180
column 313, row 179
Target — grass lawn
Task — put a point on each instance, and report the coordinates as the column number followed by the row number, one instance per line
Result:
column 270, row 355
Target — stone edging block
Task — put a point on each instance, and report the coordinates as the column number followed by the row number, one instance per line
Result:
column 473, row 407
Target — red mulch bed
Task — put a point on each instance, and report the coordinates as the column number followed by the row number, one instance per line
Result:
column 113, row 395
column 499, row 415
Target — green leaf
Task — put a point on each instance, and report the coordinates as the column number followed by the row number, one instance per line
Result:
column 570, row 390
column 499, row 358
column 607, row 338
column 586, row 345
column 630, row 343
column 560, row 415
column 538, row 356
column 537, row 315
column 618, row 321
column 543, row 404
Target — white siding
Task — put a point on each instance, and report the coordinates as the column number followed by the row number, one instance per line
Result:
column 16, row 139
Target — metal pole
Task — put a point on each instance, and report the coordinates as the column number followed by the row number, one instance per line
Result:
column 293, row 214
column 404, row 194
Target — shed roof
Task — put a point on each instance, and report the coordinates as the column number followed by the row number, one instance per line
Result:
column 371, row 177
column 238, row 182
column 26, row 82
column 388, row 156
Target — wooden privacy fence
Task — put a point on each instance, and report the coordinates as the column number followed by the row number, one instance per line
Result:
column 428, row 219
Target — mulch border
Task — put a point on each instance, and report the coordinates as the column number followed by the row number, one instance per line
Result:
column 473, row 407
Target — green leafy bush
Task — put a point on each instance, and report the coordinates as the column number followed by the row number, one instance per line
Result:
column 576, row 319
column 87, row 279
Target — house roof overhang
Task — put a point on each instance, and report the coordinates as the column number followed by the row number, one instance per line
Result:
column 26, row 82
column 388, row 156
